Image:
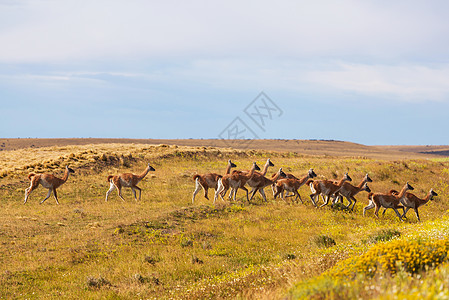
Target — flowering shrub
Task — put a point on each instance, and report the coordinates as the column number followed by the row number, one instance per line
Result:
column 410, row 256
column 364, row 275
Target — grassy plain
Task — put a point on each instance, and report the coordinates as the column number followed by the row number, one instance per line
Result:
column 166, row 247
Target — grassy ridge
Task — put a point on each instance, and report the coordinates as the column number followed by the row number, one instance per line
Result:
column 165, row 247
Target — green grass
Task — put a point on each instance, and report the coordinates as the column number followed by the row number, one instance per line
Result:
column 165, row 247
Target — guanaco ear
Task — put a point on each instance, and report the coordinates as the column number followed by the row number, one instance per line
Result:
column 281, row 173
column 312, row 173
column 255, row 166
column 233, row 165
column 368, row 179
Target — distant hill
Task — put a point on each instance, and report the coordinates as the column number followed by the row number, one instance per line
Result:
column 308, row 147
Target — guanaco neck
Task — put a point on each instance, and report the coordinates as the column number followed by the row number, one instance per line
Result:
column 228, row 168
column 265, row 168
column 66, row 175
column 341, row 181
column 276, row 177
column 361, row 184
column 426, row 198
column 303, row 179
column 402, row 192
column 251, row 172
column 144, row 173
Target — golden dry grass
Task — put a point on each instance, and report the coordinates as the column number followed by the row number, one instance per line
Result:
column 165, row 247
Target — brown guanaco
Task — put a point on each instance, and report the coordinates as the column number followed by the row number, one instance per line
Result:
column 48, row 181
column 127, row 180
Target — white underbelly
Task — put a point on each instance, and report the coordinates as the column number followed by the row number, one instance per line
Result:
column 125, row 183
column 45, row 184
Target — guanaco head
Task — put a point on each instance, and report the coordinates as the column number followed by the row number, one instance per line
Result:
column 367, row 178
column 409, row 187
column 347, row 178
column 70, row 170
column 282, row 174
column 432, row 194
column 256, row 167
column 233, row 165
column 366, row 188
column 270, row 163
column 150, row 167
column 311, row 173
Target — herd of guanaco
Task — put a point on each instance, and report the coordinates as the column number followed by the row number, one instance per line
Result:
column 280, row 182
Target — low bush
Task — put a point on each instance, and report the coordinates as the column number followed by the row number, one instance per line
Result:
column 324, row 241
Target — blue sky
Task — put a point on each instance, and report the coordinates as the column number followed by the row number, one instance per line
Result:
column 370, row 72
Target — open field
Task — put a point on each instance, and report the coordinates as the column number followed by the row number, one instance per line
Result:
column 166, row 247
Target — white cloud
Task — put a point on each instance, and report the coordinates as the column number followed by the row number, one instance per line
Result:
column 399, row 82
column 405, row 82
column 52, row 80
column 410, row 82
column 55, row 31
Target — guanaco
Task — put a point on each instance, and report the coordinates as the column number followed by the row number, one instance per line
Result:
column 262, row 182
column 287, row 176
column 48, row 181
column 378, row 200
column 127, row 180
column 326, row 188
column 209, row 180
column 236, row 180
column 349, row 191
column 292, row 185
column 412, row 201
column 250, row 182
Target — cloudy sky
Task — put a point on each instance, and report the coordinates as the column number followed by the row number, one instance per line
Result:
column 371, row 72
